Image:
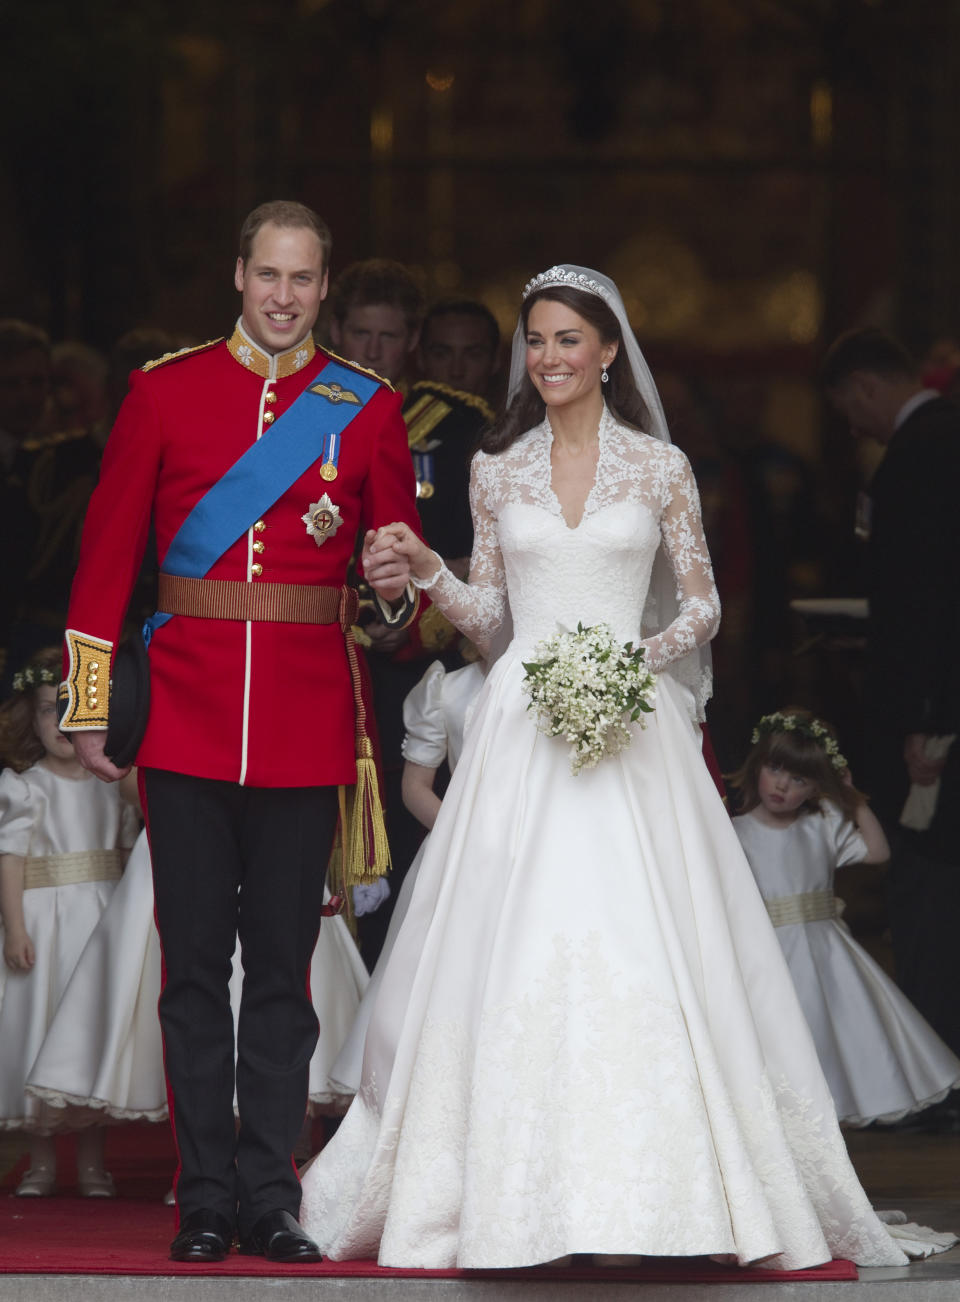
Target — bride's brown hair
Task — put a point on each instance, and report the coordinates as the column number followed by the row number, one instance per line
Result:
column 620, row 393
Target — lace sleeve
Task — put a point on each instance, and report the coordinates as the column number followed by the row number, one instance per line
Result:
column 477, row 607
column 681, row 528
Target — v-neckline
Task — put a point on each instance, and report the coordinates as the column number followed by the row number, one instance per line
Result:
column 601, row 432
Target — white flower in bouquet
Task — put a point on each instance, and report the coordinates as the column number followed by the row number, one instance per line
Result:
column 586, row 687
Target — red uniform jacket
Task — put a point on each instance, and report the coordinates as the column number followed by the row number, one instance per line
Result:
column 265, row 704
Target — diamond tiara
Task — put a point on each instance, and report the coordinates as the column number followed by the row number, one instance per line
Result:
column 560, row 276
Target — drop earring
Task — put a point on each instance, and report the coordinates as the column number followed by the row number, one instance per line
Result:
column 604, row 377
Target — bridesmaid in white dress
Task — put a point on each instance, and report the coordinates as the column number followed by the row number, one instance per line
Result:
column 586, row 1039
column 64, row 838
column 802, row 820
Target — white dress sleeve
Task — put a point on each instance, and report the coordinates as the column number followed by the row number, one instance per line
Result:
column 846, row 841
column 681, row 528
column 478, row 607
column 18, row 813
column 425, row 739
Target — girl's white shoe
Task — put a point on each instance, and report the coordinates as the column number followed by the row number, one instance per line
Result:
column 38, row 1182
column 94, row 1182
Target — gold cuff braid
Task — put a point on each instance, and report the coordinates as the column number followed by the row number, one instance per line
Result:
column 84, row 695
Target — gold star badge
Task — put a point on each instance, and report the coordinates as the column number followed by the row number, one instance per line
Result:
column 323, row 519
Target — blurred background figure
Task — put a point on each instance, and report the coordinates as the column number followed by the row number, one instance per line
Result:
column 48, row 475
column 460, row 346
column 26, row 392
column 376, row 308
column 80, row 389
column 911, row 705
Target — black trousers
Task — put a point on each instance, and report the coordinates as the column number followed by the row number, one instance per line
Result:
column 233, row 861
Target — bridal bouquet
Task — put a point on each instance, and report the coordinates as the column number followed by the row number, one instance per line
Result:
column 582, row 685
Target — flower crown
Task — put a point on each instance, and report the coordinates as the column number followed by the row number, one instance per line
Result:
column 561, row 276
column 34, row 676
column 816, row 730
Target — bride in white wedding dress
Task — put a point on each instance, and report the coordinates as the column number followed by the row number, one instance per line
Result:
column 586, row 1039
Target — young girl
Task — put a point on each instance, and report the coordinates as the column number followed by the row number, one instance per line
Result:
column 802, row 819
column 121, row 1075
column 63, row 841
column 434, row 717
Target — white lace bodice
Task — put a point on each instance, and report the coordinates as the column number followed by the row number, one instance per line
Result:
column 525, row 553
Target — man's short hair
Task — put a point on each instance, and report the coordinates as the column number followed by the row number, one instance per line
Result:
column 287, row 213
column 377, row 282
column 464, row 307
column 18, row 337
column 866, row 349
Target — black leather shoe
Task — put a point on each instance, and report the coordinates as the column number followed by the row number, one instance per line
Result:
column 278, row 1236
column 204, row 1235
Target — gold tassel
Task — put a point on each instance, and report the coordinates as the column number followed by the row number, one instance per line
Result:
column 367, row 853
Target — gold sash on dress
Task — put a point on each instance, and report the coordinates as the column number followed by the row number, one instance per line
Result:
column 811, row 906
column 70, row 869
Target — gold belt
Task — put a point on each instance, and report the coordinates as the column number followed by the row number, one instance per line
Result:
column 812, row 906
column 70, row 869
column 290, row 603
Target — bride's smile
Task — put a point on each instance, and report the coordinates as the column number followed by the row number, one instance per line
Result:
column 566, row 357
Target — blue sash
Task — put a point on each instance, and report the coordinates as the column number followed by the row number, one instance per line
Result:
column 263, row 474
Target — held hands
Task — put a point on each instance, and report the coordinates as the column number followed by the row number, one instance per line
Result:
column 89, row 749
column 18, row 951
column 398, row 545
column 386, row 570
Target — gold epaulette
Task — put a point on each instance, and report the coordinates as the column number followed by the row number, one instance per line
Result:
column 459, row 395
column 40, row 441
column 181, row 352
column 424, row 416
column 364, row 370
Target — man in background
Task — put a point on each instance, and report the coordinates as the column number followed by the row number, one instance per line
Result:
column 460, row 346
column 376, row 308
column 911, row 685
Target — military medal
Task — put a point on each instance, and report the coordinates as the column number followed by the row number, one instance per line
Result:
column 423, row 465
column 323, row 519
column 331, row 445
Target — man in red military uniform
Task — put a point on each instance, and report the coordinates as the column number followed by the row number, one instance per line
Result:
column 252, row 720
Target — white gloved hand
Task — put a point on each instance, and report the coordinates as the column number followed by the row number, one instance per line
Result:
column 368, row 896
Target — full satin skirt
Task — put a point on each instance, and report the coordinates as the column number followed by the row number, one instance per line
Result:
column 586, row 1038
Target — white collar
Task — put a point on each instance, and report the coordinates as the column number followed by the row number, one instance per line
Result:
column 911, row 405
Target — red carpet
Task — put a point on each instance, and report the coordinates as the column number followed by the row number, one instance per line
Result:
column 80, row 1236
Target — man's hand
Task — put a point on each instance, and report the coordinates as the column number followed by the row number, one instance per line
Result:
column 18, row 951
column 89, row 748
column 922, row 770
column 385, row 569
column 399, row 541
